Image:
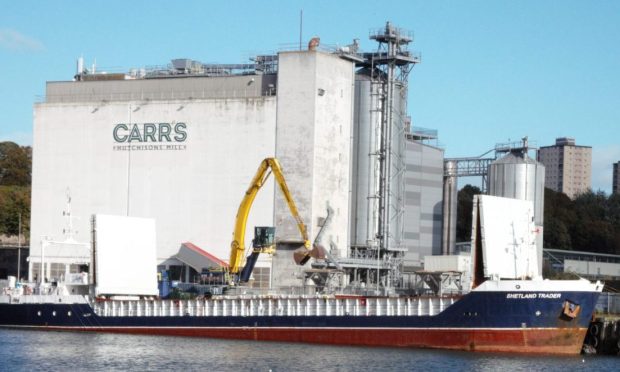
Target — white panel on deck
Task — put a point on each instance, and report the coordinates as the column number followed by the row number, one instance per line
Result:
column 126, row 262
column 508, row 237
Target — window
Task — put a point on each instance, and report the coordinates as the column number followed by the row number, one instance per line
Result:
column 261, row 277
column 57, row 272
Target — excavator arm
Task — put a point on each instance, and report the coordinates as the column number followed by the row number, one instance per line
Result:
column 237, row 247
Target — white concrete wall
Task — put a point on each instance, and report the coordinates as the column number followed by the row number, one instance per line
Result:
column 295, row 138
column 193, row 192
column 332, row 148
column 313, row 144
column 313, row 141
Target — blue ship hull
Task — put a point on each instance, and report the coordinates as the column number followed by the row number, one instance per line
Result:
column 530, row 322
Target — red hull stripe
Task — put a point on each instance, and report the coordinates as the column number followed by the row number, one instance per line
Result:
column 516, row 340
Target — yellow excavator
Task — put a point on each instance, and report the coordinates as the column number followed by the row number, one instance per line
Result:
column 264, row 237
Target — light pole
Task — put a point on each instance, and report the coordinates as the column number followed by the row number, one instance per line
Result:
column 19, row 248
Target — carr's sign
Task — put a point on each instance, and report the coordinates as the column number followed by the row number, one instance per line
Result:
column 149, row 136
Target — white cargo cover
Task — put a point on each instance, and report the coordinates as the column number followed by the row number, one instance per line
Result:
column 507, row 237
column 125, row 253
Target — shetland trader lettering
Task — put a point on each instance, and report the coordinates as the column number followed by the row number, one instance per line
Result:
column 532, row 295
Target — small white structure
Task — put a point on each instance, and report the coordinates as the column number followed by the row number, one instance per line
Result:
column 460, row 262
column 125, row 256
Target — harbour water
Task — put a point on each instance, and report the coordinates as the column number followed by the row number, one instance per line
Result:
column 23, row 350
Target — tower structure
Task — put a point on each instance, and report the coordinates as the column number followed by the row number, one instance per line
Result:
column 391, row 66
column 379, row 157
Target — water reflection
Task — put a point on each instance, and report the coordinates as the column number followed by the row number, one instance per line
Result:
column 53, row 351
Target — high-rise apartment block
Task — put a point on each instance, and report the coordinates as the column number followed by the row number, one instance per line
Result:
column 615, row 183
column 568, row 166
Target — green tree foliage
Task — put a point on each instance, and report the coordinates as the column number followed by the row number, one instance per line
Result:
column 464, row 210
column 591, row 222
column 556, row 234
column 15, row 164
column 559, row 217
column 14, row 201
column 15, row 176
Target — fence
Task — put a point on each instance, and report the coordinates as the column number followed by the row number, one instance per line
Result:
column 608, row 303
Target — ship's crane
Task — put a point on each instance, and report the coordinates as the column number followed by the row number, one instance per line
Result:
column 264, row 241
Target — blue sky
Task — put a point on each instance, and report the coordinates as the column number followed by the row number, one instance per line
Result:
column 491, row 71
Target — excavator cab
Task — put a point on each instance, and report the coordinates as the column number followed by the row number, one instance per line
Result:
column 264, row 237
column 264, row 242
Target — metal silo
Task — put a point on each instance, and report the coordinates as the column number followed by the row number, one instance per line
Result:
column 518, row 176
column 366, row 137
column 366, row 163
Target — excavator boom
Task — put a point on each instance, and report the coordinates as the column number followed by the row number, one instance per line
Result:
column 237, row 247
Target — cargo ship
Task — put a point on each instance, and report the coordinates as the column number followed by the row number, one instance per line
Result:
column 494, row 312
column 519, row 316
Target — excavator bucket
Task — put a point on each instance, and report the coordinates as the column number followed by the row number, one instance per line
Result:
column 302, row 255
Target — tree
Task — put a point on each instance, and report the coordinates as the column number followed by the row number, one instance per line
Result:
column 597, row 223
column 559, row 219
column 14, row 201
column 556, row 234
column 15, row 164
column 613, row 204
column 589, row 223
column 15, row 178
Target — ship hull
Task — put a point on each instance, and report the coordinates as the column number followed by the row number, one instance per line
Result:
column 479, row 321
column 529, row 341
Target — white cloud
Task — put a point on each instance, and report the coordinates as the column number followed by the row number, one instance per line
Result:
column 602, row 159
column 13, row 40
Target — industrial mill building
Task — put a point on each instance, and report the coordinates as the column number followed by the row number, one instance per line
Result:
column 180, row 144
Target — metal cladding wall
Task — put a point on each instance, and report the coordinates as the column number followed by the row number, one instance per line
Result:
column 423, row 201
column 518, row 176
column 160, row 89
column 190, row 182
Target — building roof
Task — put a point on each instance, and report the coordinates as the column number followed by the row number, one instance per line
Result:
column 198, row 258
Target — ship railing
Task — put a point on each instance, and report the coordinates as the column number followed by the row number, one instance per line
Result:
column 274, row 306
column 43, row 299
